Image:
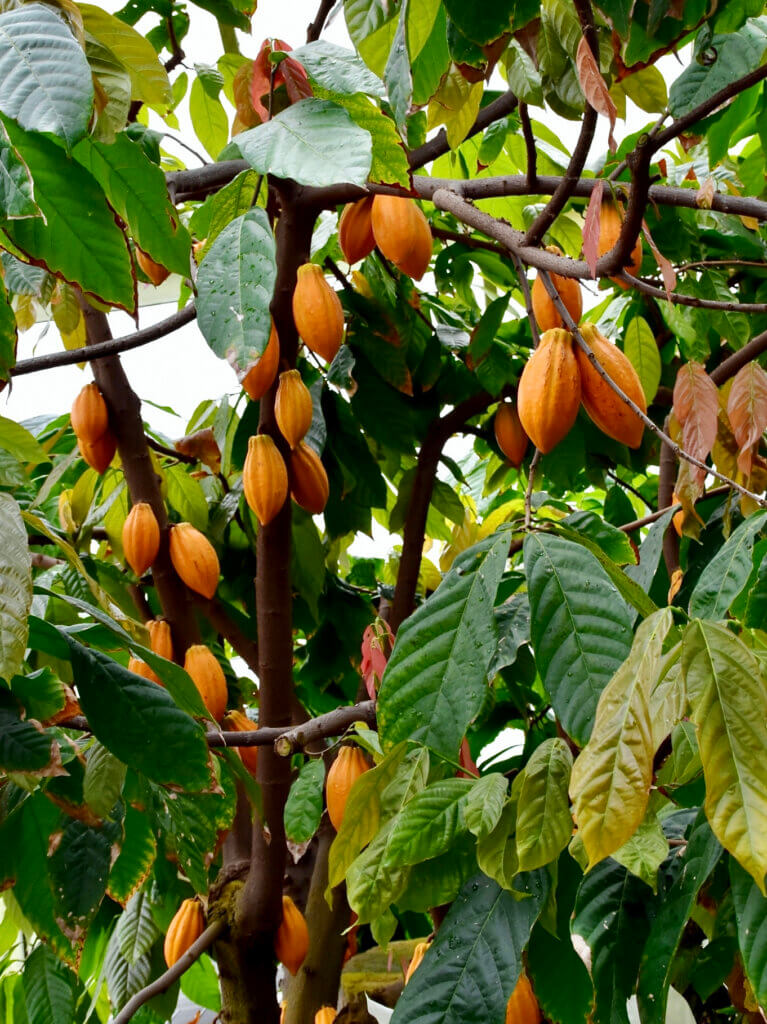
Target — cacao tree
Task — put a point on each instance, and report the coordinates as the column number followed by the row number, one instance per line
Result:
column 512, row 765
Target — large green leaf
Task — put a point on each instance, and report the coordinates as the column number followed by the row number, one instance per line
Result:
column 728, row 698
column 436, row 678
column 373, row 880
column 727, row 573
column 544, row 822
column 136, row 929
column 220, row 209
column 736, row 54
column 580, row 626
column 49, row 988
column 24, row 746
column 136, row 856
column 484, row 804
column 303, row 808
column 149, row 79
column 428, row 824
column 79, row 868
column 641, row 350
column 47, row 84
column 15, row 587
column 103, row 781
column 209, row 119
column 751, row 917
column 389, row 160
column 397, row 73
column 337, row 69
column 482, row 24
column 8, row 334
column 16, row 189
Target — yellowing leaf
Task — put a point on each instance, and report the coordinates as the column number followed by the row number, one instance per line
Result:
column 594, row 87
column 544, row 824
column 149, row 79
column 455, row 105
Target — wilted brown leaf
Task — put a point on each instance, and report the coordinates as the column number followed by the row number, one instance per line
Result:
column 595, row 88
column 747, row 411
column 201, row 446
column 591, row 228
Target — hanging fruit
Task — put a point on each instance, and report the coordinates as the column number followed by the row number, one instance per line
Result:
column 160, row 639
column 238, row 721
column 418, row 954
column 549, row 390
column 261, row 374
column 317, row 312
column 522, row 1007
column 309, row 485
column 291, row 943
column 140, row 668
column 402, row 233
column 208, row 676
column 293, row 407
column 545, row 312
column 141, row 537
column 156, row 272
column 610, row 225
column 264, row 478
column 89, row 415
column 608, row 411
column 194, row 559
column 183, row 931
column 509, row 433
column 325, row 1015
column 343, row 773
column 98, row 454
column 355, row 230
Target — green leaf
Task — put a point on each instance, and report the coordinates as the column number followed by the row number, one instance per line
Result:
column 103, row 781
column 24, row 746
column 389, row 160
column 729, row 707
column 200, row 984
column 429, row 823
column 314, row 142
column 235, row 284
column 15, row 585
column 373, row 882
column 397, row 73
column 41, row 693
column 641, row 350
column 186, row 496
column 209, row 119
column 149, row 79
column 544, row 823
column 122, row 978
column 725, row 576
column 645, row 851
column 79, row 868
column 647, row 88
column 650, row 551
column 303, row 808
column 580, row 627
column 8, row 334
column 736, row 54
column 136, row 856
column 220, row 209
column 482, row 24
column 751, row 918
column 497, row 851
column 436, row 678
column 136, row 930
column 47, row 84
column 113, row 77
column 484, row 804
column 49, row 988
column 337, row 69
column 435, row 882
column 16, row 188
column 612, row 541
column 18, row 441
column 420, row 23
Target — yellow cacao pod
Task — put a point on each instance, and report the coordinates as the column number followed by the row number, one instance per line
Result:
column 545, row 312
column 208, row 676
column 522, row 1007
column 293, row 407
column 98, row 454
column 140, row 668
column 90, row 416
column 509, row 433
column 402, row 233
column 325, row 1015
column 355, row 230
column 309, row 485
column 609, row 412
column 184, row 930
column 264, row 478
column 238, row 721
column 291, row 943
column 549, row 390
column 317, row 312
column 261, row 374
column 194, row 559
column 156, row 272
column 610, row 224
column 141, row 537
column 418, row 954
column 160, row 639
column 343, row 773
column 678, row 517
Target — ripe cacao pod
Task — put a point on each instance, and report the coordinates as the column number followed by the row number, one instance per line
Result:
column 156, row 272
column 264, row 478
column 90, row 416
column 678, row 517
column 606, row 409
column 261, row 374
column 511, row 438
column 355, row 230
column 98, row 454
column 141, row 537
column 522, row 1007
column 238, row 721
column 343, row 773
column 293, row 407
column 194, row 559
column 160, row 639
column 418, row 954
column 291, row 943
column 317, row 312
column 208, row 676
column 545, row 312
column 549, row 390
column 309, row 485
column 610, row 224
column 325, row 1015
column 140, row 668
column 402, row 233
column 184, row 930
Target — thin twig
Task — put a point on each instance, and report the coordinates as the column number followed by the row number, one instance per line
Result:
column 163, row 449
column 531, row 171
column 637, row 524
column 529, row 488
column 677, row 299
column 627, row 486
column 524, row 284
column 314, row 30
column 617, row 171
column 188, row 148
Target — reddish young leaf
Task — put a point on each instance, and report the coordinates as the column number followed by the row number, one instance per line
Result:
column 245, row 116
column 695, row 407
column 666, row 269
column 467, row 762
column 591, row 228
column 377, row 642
column 747, row 411
column 260, row 80
column 294, row 77
column 595, row 88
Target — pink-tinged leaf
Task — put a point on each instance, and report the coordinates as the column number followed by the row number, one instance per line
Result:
column 705, row 196
column 667, row 271
column 377, row 642
column 259, row 81
column 696, row 405
column 595, row 88
column 591, row 228
column 466, row 762
column 297, row 84
column 747, row 411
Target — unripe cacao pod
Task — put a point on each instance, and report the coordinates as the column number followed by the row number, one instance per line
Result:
column 160, row 639
column 325, row 1015
column 89, row 416
column 402, row 233
column 509, row 434
column 184, row 930
column 610, row 224
column 522, row 1007
column 293, row 407
column 549, row 390
column 140, row 668
column 194, row 559
column 261, row 374
column 418, row 954
column 545, row 312
column 606, row 409
column 238, row 721
column 98, row 454
column 309, row 485
column 343, row 773
column 291, row 943
column 141, row 537
column 208, row 676
column 156, row 272
column 355, row 230
column 264, row 478
column 317, row 312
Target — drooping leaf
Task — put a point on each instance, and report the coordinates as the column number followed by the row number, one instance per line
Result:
column 544, row 822
column 484, row 804
column 136, row 856
column 747, row 411
column 428, row 824
column 594, row 86
column 136, row 930
column 103, row 781
column 751, row 918
column 149, row 79
column 397, row 73
column 79, row 867
column 16, row 188
column 209, row 119
column 24, row 745
column 303, row 808
column 49, row 988
column 641, row 350
column 696, row 406
column 15, row 586
column 725, row 576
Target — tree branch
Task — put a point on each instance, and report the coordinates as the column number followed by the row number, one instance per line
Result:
column 531, row 175
column 334, row 723
column 314, row 30
column 730, row 366
column 677, row 299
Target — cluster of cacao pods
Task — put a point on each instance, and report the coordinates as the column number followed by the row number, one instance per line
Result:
column 344, row 772
column 161, row 643
column 184, row 930
column 90, row 423
column 266, row 479
column 393, row 223
column 291, row 943
column 522, row 1007
column 559, row 376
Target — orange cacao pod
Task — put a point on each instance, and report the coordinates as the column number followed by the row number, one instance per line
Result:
column 141, row 537
column 325, row 1015
column 549, row 390
column 610, row 224
column 194, row 559
column 140, row 668
column 291, row 943
column 355, row 230
column 264, row 478
column 511, row 438
column 317, row 312
column 678, row 517
column 185, row 929
column 160, row 639
column 238, row 721
column 418, row 954
column 402, row 233
column 261, row 374
column 208, row 676
column 309, row 485
column 99, row 453
column 293, row 407
column 343, row 773
column 522, row 1007
column 606, row 409
column 156, row 272
column 545, row 312
column 90, row 416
